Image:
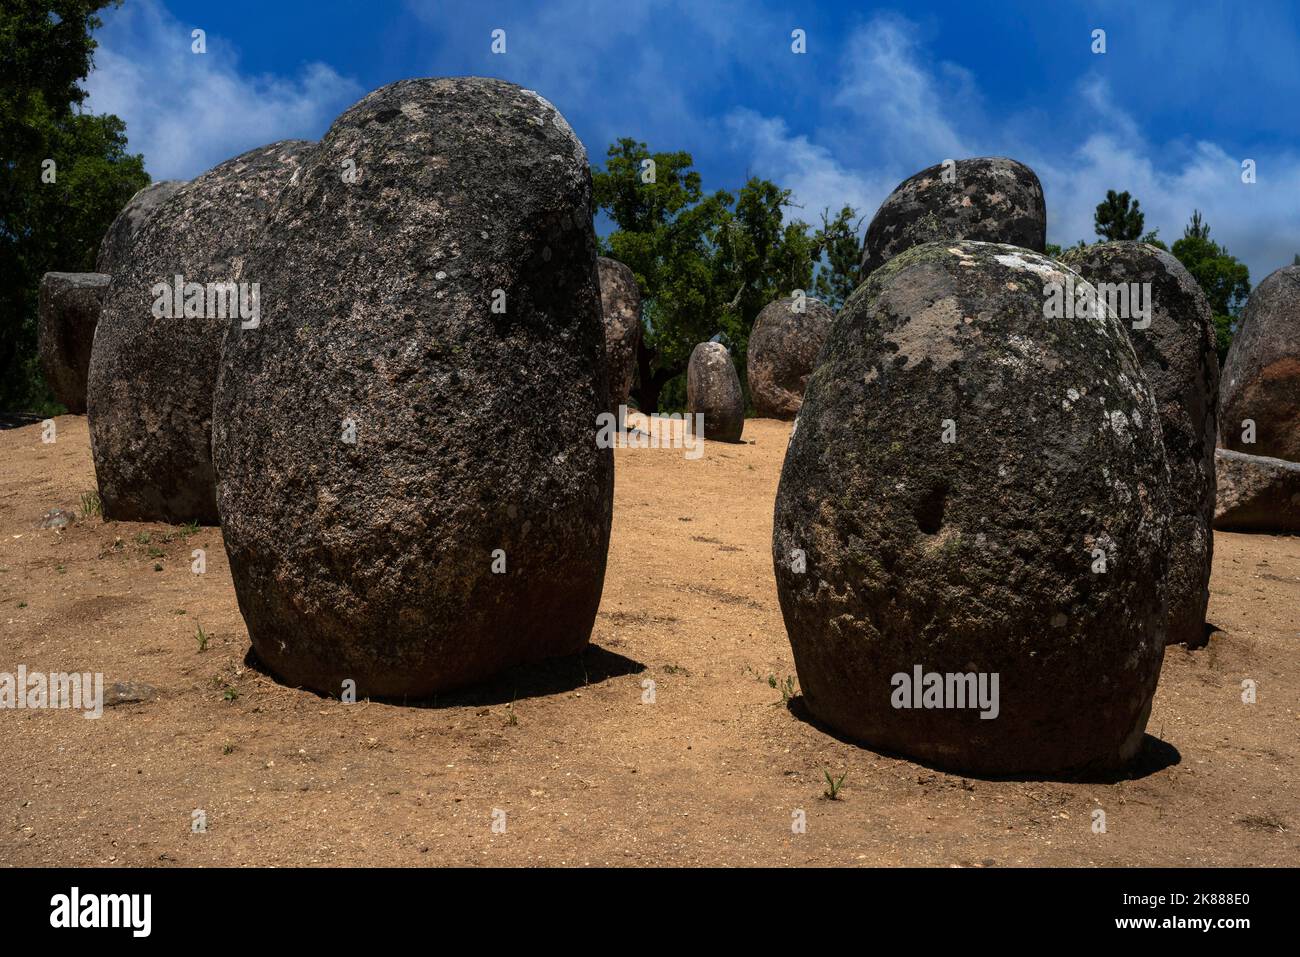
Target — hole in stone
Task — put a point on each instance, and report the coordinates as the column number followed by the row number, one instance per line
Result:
column 929, row 511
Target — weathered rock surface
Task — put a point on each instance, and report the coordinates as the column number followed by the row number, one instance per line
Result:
column 1175, row 343
column 1256, row 493
column 988, row 198
column 151, row 376
column 66, row 317
column 959, row 469
column 1261, row 376
column 464, row 528
column 116, row 244
column 621, row 306
column 783, row 348
column 713, row 388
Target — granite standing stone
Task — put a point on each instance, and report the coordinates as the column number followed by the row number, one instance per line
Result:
column 974, row 490
column 411, row 492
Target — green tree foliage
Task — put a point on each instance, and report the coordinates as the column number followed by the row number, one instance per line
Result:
column 1153, row 239
column 705, row 263
column 838, row 247
column 1118, row 217
column 1224, row 279
column 45, row 51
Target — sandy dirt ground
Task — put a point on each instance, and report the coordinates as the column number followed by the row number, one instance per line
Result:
column 579, row 767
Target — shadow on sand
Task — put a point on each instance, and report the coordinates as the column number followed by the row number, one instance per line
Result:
column 1155, row 755
column 553, row 676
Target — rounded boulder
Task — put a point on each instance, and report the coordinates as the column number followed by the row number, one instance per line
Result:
column 116, row 244
column 783, row 348
column 713, row 390
column 411, row 492
column 989, row 199
column 1260, row 393
column 971, row 527
column 1169, row 321
column 158, row 345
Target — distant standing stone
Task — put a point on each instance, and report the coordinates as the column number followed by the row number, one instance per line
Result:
column 988, row 198
column 1257, row 494
column 713, row 388
column 621, row 306
column 1176, row 347
column 67, row 315
column 1261, row 377
column 783, row 348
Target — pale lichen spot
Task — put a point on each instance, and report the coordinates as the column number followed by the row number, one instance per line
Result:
column 1037, row 265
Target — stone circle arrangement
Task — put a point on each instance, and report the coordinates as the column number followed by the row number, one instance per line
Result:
column 379, row 361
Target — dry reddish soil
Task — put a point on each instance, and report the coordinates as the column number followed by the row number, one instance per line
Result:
column 586, row 773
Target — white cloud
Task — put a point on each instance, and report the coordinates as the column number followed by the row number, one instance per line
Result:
column 817, row 180
column 187, row 112
column 900, row 115
column 893, row 98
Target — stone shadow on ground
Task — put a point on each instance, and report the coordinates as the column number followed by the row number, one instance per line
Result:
column 537, row 680
column 1155, row 755
column 17, row 420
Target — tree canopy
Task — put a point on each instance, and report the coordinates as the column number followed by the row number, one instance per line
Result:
column 1225, row 280
column 706, row 263
column 64, row 174
column 1118, row 217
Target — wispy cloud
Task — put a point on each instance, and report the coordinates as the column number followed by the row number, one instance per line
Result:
column 187, row 111
column 869, row 105
column 906, row 114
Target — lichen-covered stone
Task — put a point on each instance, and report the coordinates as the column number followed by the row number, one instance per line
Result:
column 973, row 488
column 66, row 318
column 988, row 198
column 1174, row 341
column 1257, row 493
column 713, row 389
column 411, row 491
column 621, row 306
column 1261, row 376
column 116, row 244
column 151, row 376
column 783, row 348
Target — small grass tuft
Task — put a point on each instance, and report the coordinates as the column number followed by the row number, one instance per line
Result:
column 91, row 505
column 832, row 792
column 202, row 638
column 786, row 687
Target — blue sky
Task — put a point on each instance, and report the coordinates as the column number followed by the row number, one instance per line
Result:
column 1183, row 94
